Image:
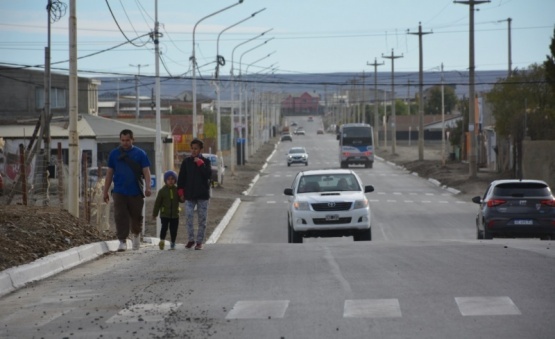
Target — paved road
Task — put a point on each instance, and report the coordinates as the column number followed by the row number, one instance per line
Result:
column 423, row 276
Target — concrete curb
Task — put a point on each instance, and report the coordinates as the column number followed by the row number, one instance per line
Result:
column 223, row 223
column 227, row 218
column 14, row 278
column 431, row 180
column 17, row 277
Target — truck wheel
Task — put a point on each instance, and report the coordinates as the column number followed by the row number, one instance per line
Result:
column 296, row 237
column 364, row 235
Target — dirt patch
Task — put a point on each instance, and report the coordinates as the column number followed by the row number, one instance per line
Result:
column 28, row 233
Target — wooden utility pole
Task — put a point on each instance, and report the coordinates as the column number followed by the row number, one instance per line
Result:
column 393, row 116
column 420, row 93
column 376, row 113
column 472, row 125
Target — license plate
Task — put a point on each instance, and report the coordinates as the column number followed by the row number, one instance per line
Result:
column 332, row 217
column 523, row 222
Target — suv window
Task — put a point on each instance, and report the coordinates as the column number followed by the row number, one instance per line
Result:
column 521, row 190
column 297, row 150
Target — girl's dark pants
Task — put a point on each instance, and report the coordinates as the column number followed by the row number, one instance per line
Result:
column 173, row 223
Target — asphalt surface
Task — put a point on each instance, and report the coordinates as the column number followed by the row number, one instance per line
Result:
column 423, row 276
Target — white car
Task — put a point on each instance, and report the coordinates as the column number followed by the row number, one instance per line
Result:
column 297, row 155
column 328, row 203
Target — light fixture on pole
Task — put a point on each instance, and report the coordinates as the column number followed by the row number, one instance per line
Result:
column 241, row 94
column 233, row 98
column 194, row 65
column 252, row 138
column 220, row 61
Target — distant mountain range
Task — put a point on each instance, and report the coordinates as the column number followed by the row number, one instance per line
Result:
column 406, row 83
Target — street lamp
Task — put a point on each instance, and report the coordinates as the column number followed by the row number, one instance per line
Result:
column 241, row 93
column 252, row 117
column 194, row 65
column 233, row 98
column 220, row 61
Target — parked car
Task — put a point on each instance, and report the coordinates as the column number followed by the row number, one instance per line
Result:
column 328, row 203
column 300, row 131
column 310, row 119
column 214, row 163
column 286, row 137
column 516, row 208
column 293, row 124
column 297, row 155
column 320, row 131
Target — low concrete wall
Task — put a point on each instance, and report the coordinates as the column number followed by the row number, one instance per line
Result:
column 538, row 161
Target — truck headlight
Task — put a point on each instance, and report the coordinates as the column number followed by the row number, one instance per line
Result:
column 301, row 205
column 361, row 204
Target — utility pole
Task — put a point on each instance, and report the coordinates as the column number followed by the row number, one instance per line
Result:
column 442, row 119
column 376, row 114
column 73, row 139
column 137, row 103
column 420, row 93
column 509, row 73
column 156, row 35
column 393, row 117
column 408, row 106
column 473, row 161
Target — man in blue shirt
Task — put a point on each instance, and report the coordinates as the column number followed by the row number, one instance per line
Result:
column 128, row 169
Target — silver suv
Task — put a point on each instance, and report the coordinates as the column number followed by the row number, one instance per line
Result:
column 297, row 155
column 328, row 203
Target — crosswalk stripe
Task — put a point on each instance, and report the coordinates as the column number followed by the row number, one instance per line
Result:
column 372, row 308
column 477, row 306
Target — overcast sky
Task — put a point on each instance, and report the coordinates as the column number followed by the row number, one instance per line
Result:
column 306, row 36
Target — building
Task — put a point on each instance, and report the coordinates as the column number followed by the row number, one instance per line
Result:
column 302, row 104
column 22, row 93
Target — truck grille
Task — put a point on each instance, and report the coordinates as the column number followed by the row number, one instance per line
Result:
column 332, row 206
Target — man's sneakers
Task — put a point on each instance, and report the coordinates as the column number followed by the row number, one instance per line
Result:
column 199, row 246
column 122, row 245
column 136, row 240
column 172, row 246
column 189, row 245
column 161, row 244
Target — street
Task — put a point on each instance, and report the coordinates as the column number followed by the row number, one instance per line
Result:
column 422, row 276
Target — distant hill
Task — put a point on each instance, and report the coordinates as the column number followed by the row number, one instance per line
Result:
column 406, row 83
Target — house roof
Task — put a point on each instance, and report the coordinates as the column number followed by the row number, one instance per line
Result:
column 88, row 126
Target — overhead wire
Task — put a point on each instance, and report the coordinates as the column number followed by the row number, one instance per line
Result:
column 122, row 32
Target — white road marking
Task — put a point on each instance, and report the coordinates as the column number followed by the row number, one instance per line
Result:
column 372, row 308
column 143, row 312
column 474, row 306
column 258, row 309
column 271, row 202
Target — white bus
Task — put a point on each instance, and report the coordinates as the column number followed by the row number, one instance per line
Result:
column 356, row 145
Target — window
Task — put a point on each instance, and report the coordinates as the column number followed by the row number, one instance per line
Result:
column 57, row 97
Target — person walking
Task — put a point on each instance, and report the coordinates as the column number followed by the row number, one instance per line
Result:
column 128, row 169
column 167, row 205
column 193, row 184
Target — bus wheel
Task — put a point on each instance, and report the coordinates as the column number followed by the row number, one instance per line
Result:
column 343, row 164
column 369, row 164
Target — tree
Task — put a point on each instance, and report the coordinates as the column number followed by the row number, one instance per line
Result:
column 523, row 106
column 524, row 101
column 550, row 65
column 433, row 102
